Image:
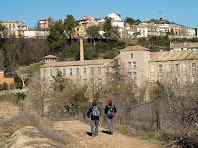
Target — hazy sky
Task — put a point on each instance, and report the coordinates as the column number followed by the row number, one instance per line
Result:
column 184, row 12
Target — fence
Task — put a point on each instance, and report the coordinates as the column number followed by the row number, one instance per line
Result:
column 151, row 116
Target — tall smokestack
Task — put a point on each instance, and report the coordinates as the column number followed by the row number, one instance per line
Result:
column 81, row 49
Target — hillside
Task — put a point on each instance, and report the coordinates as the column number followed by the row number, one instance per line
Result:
column 19, row 135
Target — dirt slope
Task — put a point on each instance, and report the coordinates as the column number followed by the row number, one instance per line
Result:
column 78, row 133
column 7, row 111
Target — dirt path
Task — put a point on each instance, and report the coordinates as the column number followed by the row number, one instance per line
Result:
column 78, row 133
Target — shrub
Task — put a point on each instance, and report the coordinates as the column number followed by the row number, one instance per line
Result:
column 5, row 86
column 1, row 87
column 18, row 85
column 12, row 86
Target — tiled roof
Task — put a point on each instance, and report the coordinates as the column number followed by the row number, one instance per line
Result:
column 184, row 45
column 174, row 55
column 45, row 19
column 50, row 56
column 84, row 18
column 110, row 64
column 76, row 63
column 134, row 48
column 117, row 57
column 140, row 27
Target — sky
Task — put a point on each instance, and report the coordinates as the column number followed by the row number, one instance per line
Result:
column 184, row 12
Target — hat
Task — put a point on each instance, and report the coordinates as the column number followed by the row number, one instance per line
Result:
column 110, row 101
column 94, row 104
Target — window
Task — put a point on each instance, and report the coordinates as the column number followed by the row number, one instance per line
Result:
column 92, row 82
column 99, row 82
column 44, row 72
column 135, row 88
column 129, row 75
column 99, row 70
column 152, row 68
column 92, row 70
column 56, row 71
column 51, row 82
column 134, row 75
column 176, row 67
column 134, row 65
column 107, row 70
column 193, row 66
column 77, row 71
column 131, row 55
column 84, row 71
column 129, row 64
column 50, row 72
column 63, row 72
column 70, row 71
column 160, row 68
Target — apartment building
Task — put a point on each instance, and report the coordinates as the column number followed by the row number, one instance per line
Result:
column 86, row 21
column 79, row 31
column 45, row 23
column 14, row 28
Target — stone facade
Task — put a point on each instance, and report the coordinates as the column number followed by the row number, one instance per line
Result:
column 137, row 63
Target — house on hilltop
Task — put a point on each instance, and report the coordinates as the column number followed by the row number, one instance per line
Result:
column 9, row 81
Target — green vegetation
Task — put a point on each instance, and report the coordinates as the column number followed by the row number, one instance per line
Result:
column 160, row 21
column 111, row 32
column 131, row 21
column 68, row 94
column 93, row 32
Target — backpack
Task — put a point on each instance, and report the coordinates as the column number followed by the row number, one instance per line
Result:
column 95, row 111
column 110, row 112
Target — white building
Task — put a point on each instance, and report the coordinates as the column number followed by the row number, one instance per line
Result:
column 143, row 31
column 36, row 33
column 163, row 29
column 115, row 17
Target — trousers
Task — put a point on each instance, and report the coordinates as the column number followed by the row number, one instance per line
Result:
column 110, row 123
column 94, row 123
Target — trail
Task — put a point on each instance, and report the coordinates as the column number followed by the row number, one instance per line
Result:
column 78, row 134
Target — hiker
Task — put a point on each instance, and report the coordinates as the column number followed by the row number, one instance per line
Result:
column 95, row 113
column 110, row 111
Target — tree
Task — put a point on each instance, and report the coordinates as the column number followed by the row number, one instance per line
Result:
column 111, row 32
column 93, row 32
column 130, row 20
column 56, row 37
column 69, row 24
column 137, row 22
column 59, row 81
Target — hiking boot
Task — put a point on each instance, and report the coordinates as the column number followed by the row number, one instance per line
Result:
column 111, row 132
column 93, row 135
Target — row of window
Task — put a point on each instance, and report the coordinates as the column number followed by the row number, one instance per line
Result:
column 85, row 81
column 78, row 71
column 193, row 67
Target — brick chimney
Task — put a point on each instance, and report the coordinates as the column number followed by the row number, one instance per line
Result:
column 81, row 49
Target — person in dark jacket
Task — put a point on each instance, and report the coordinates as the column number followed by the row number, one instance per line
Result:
column 94, row 118
column 110, row 111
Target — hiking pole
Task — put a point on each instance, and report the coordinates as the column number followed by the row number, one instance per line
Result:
column 100, row 127
column 114, row 124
